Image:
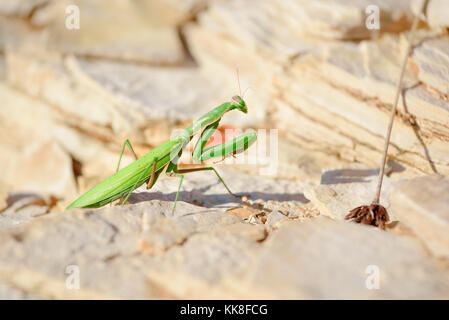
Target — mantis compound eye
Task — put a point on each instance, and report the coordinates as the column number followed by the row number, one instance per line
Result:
column 239, row 101
column 241, row 105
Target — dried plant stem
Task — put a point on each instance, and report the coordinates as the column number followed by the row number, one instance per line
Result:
column 396, row 100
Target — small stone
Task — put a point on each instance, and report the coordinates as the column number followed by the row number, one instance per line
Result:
column 422, row 204
column 336, row 200
column 44, row 169
column 241, row 212
column 24, row 207
column 275, row 218
column 104, row 32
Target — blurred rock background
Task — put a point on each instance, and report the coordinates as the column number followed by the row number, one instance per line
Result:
column 139, row 69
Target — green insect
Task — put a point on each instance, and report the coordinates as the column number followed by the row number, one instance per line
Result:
column 148, row 168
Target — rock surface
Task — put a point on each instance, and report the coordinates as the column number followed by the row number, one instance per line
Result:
column 335, row 200
column 317, row 83
column 323, row 259
column 423, row 205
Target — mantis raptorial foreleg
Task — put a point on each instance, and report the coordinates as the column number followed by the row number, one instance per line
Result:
column 241, row 143
column 232, row 147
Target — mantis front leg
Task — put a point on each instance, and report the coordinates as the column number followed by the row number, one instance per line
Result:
column 236, row 145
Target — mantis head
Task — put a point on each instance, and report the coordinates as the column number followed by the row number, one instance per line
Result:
column 239, row 103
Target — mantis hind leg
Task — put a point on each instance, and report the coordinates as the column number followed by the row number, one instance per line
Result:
column 126, row 143
column 181, row 176
column 181, row 171
column 172, row 170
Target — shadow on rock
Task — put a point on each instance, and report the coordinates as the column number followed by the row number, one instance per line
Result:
column 214, row 200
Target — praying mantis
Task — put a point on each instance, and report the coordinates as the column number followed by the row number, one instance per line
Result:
column 165, row 157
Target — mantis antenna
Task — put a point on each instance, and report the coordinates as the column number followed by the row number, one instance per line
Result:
column 238, row 80
column 240, row 89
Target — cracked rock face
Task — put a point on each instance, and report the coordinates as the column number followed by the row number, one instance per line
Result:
column 309, row 71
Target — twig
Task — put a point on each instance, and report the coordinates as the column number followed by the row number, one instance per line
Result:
column 375, row 214
column 396, row 99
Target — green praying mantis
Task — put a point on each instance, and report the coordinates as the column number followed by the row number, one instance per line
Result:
column 148, row 168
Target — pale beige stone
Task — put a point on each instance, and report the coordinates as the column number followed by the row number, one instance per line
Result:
column 437, row 12
column 24, row 208
column 105, row 244
column 20, row 8
column 241, row 212
column 178, row 94
column 336, row 198
column 102, row 243
column 27, row 122
column 423, row 205
column 2, row 68
column 13, row 32
column 276, row 218
column 44, row 169
column 245, row 230
column 10, row 293
column 343, row 19
column 48, row 76
column 211, row 264
column 343, row 105
column 432, row 60
column 325, row 259
column 104, row 32
column 162, row 232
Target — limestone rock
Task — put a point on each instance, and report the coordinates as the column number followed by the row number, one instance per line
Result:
column 104, row 247
column 346, row 19
column 275, row 219
column 44, row 169
column 13, row 32
column 423, row 205
column 340, row 101
column 180, row 94
column 104, row 32
column 69, row 98
column 161, row 232
column 11, row 293
column 46, row 76
column 211, row 265
column 20, row 8
column 325, row 259
column 23, row 208
column 335, row 200
column 41, row 253
column 436, row 13
column 2, row 69
column 30, row 122
column 432, row 59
